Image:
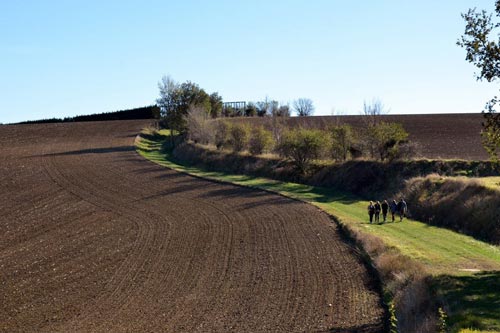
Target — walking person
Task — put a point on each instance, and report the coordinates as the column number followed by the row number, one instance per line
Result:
column 377, row 212
column 394, row 208
column 402, row 207
column 371, row 211
column 385, row 208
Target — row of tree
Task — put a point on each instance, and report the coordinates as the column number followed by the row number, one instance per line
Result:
column 268, row 107
column 377, row 140
column 145, row 112
column 176, row 99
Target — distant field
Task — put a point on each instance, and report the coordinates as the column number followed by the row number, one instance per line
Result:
column 440, row 136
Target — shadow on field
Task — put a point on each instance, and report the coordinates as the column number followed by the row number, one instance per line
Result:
column 256, row 197
column 471, row 301
column 366, row 328
column 177, row 187
column 91, row 151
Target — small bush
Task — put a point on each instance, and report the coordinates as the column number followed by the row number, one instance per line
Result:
column 221, row 136
column 302, row 146
column 342, row 142
column 404, row 151
column 199, row 126
column 382, row 139
column 238, row 136
column 260, row 141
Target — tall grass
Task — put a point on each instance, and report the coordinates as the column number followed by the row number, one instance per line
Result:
column 406, row 285
column 460, row 204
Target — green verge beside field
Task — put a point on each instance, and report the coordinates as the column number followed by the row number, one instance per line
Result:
column 466, row 269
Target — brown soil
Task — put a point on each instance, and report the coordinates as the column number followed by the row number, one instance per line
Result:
column 95, row 238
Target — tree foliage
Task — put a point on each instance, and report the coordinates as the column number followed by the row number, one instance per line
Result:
column 239, row 135
column 484, row 53
column 386, row 139
column 251, row 110
column 342, row 139
column 216, row 105
column 176, row 100
column 260, row 141
column 491, row 130
column 302, row 146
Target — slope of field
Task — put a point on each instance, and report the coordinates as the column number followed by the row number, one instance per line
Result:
column 95, row 238
column 439, row 136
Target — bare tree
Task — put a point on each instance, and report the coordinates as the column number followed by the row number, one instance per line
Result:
column 200, row 127
column 303, row 107
column 373, row 110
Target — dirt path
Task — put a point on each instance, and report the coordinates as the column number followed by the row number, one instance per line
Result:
column 93, row 238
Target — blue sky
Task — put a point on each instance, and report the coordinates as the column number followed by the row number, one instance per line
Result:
column 64, row 58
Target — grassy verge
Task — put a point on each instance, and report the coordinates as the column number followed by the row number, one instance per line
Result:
column 491, row 182
column 449, row 257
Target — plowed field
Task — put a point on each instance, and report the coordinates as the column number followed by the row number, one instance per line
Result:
column 93, row 238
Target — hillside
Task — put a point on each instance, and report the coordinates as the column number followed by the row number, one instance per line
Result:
column 94, row 238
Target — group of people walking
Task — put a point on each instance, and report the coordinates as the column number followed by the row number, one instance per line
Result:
column 396, row 208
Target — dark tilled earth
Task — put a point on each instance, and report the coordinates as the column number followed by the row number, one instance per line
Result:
column 93, row 238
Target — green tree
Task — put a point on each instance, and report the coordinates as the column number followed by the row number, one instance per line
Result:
column 251, row 110
column 302, row 146
column 484, row 53
column 386, row 139
column 216, row 105
column 342, row 141
column 238, row 136
column 168, row 101
column 191, row 95
column 260, row 140
column 176, row 99
column 282, row 111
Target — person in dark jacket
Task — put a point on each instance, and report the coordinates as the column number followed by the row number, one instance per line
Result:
column 385, row 208
column 394, row 209
column 377, row 212
column 371, row 211
column 402, row 207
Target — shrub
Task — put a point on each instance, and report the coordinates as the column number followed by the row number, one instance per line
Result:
column 221, row 136
column 382, row 139
column 238, row 136
column 342, row 141
column 260, row 141
column 302, row 146
column 199, row 126
column 405, row 150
